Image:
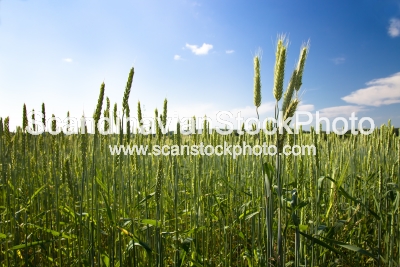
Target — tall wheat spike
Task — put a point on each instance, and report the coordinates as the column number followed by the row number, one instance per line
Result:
column 33, row 119
column 115, row 114
column 97, row 113
column 7, row 130
column 159, row 180
column 257, row 83
column 43, row 115
column 165, row 113
column 300, row 66
column 24, row 118
column 139, row 113
column 1, row 127
column 279, row 72
column 156, row 125
column 106, row 114
column 127, row 90
column 289, row 91
column 53, row 123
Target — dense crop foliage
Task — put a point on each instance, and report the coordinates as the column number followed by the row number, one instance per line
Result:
column 65, row 200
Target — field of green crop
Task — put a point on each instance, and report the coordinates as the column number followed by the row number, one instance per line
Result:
column 66, row 201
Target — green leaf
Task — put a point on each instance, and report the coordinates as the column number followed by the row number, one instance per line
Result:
column 353, row 248
column 53, row 232
column 347, row 195
column 150, row 222
column 303, row 227
column 35, row 194
column 241, row 235
column 301, row 205
column 321, row 243
column 337, row 183
column 105, row 259
column 109, row 213
column 30, row 244
column 136, row 239
column 251, row 215
column 268, row 174
column 194, row 230
column 146, row 198
column 247, row 216
column 195, row 263
column 101, row 184
column 67, row 210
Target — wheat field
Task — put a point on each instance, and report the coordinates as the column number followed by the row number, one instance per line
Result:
column 66, row 201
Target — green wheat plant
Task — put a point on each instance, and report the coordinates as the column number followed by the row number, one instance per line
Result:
column 66, row 200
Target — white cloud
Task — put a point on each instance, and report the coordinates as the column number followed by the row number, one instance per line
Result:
column 394, row 28
column 340, row 111
column 196, row 109
column 177, row 57
column 203, row 50
column 339, row 60
column 250, row 111
column 211, row 110
column 267, row 108
column 68, row 60
column 230, row 51
column 383, row 91
column 308, row 107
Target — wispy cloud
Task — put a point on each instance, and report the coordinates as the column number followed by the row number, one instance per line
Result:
column 394, row 28
column 266, row 109
column 338, row 60
column 307, row 107
column 68, row 60
column 344, row 111
column 250, row 111
column 230, row 51
column 202, row 50
column 195, row 109
column 379, row 92
column 212, row 109
column 177, row 57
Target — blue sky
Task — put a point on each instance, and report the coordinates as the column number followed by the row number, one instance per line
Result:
column 198, row 54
